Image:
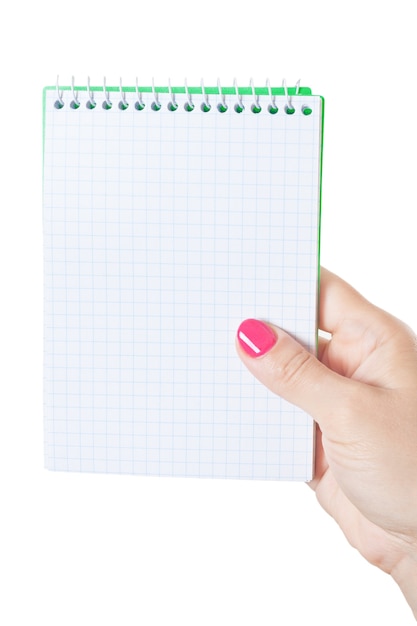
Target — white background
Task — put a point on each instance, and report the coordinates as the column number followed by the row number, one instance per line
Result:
column 87, row 550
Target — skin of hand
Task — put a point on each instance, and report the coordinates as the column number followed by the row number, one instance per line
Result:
column 362, row 393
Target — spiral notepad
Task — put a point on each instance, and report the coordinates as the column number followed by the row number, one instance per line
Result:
column 171, row 214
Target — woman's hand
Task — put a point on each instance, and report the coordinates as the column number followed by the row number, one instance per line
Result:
column 362, row 392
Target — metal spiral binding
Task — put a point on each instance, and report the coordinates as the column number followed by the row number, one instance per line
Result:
column 224, row 98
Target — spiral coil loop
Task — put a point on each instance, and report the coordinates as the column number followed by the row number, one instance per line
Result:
column 188, row 106
column 91, row 103
column 255, row 108
column 123, row 103
column 205, row 105
column 59, row 100
column 172, row 105
column 222, row 106
column 239, row 106
column 139, row 105
column 107, row 102
column 75, row 103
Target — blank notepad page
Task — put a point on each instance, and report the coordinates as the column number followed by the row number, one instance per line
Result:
column 168, row 220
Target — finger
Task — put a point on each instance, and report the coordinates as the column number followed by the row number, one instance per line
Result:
column 290, row 371
column 321, row 463
column 339, row 301
column 322, row 346
column 363, row 332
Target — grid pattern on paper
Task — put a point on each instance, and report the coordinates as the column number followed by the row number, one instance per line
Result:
column 162, row 232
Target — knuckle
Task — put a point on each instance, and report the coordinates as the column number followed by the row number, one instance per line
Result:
column 294, row 369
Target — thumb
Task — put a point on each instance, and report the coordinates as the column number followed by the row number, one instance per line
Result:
column 289, row 370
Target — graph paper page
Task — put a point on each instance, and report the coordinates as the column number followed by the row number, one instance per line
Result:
column 163, row 230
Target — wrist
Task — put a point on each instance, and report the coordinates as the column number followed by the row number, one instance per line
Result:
column 405, row 575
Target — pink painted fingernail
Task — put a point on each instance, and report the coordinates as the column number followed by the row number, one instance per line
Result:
column 255, row 337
